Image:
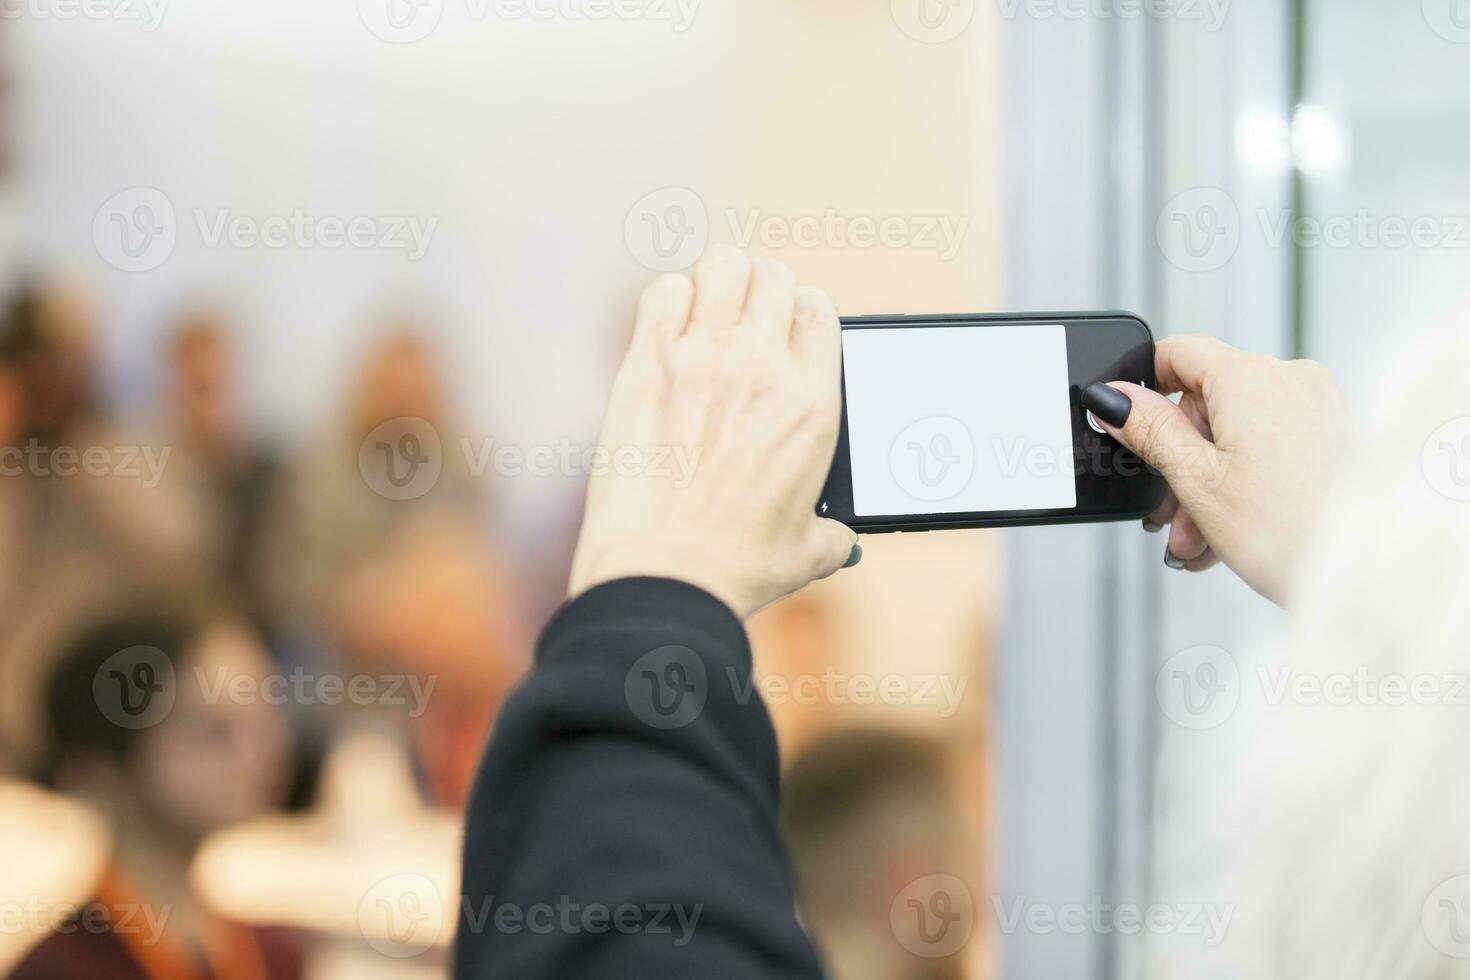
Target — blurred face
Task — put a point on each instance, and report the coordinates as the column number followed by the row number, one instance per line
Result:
column 57, row 377
column 399, row 382
column 12, row 406
column 219, row 757
column 202, row 381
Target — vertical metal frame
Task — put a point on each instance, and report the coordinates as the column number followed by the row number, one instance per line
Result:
column 1108, row 119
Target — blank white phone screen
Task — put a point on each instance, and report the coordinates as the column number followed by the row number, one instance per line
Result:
column 957, row 420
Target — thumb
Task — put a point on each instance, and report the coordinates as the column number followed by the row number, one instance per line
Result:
column 1159, row 432
column 834, row 546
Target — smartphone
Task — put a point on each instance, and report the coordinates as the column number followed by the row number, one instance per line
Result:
column 963, row 421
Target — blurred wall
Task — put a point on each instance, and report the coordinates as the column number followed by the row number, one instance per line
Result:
column 528, row 142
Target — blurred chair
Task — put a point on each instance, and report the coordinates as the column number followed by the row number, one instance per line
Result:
column 372, row 872
column 53, row 851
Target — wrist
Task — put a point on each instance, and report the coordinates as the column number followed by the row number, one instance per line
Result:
column 673, row 560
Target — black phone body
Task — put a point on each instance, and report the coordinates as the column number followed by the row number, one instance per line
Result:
column 975, row 420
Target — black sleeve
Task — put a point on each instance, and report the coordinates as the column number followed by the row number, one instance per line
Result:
column 624, row 822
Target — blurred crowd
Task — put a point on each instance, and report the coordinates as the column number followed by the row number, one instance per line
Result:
column 244, row 686
column 266, row 603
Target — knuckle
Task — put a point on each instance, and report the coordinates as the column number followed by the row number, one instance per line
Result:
column 692, row 358
column 724, row 261
column 1152, row 437
column 813, row 305
column 775, row 270
column 640, row 374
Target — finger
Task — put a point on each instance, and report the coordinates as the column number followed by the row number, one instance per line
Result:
column 663, row 311
column 834, row 545
column 1187, row 363
column 1159, row 432
column 1163, row 514
column 1186, row 542
column 770, row 303
column 721, row 280
column 1192, row 406
column 1204, row 562
column 816, row 337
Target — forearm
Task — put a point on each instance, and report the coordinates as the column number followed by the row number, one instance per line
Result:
column 625, row 820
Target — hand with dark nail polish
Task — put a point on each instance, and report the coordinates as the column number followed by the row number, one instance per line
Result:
column 1107, row 403
column 1249, row 451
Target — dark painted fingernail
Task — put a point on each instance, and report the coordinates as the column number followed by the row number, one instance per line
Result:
column 1175, row 563
column 1107, row 403
column 1152, row 526
column 855, row 557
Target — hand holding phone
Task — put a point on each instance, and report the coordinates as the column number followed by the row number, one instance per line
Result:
column 962, row 421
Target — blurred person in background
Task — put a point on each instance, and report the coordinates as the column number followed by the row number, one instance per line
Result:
column 872, row 819
column 157, row 722
column 380, row 540
column 392, row 466
column 88, row 513
column 222, row 461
